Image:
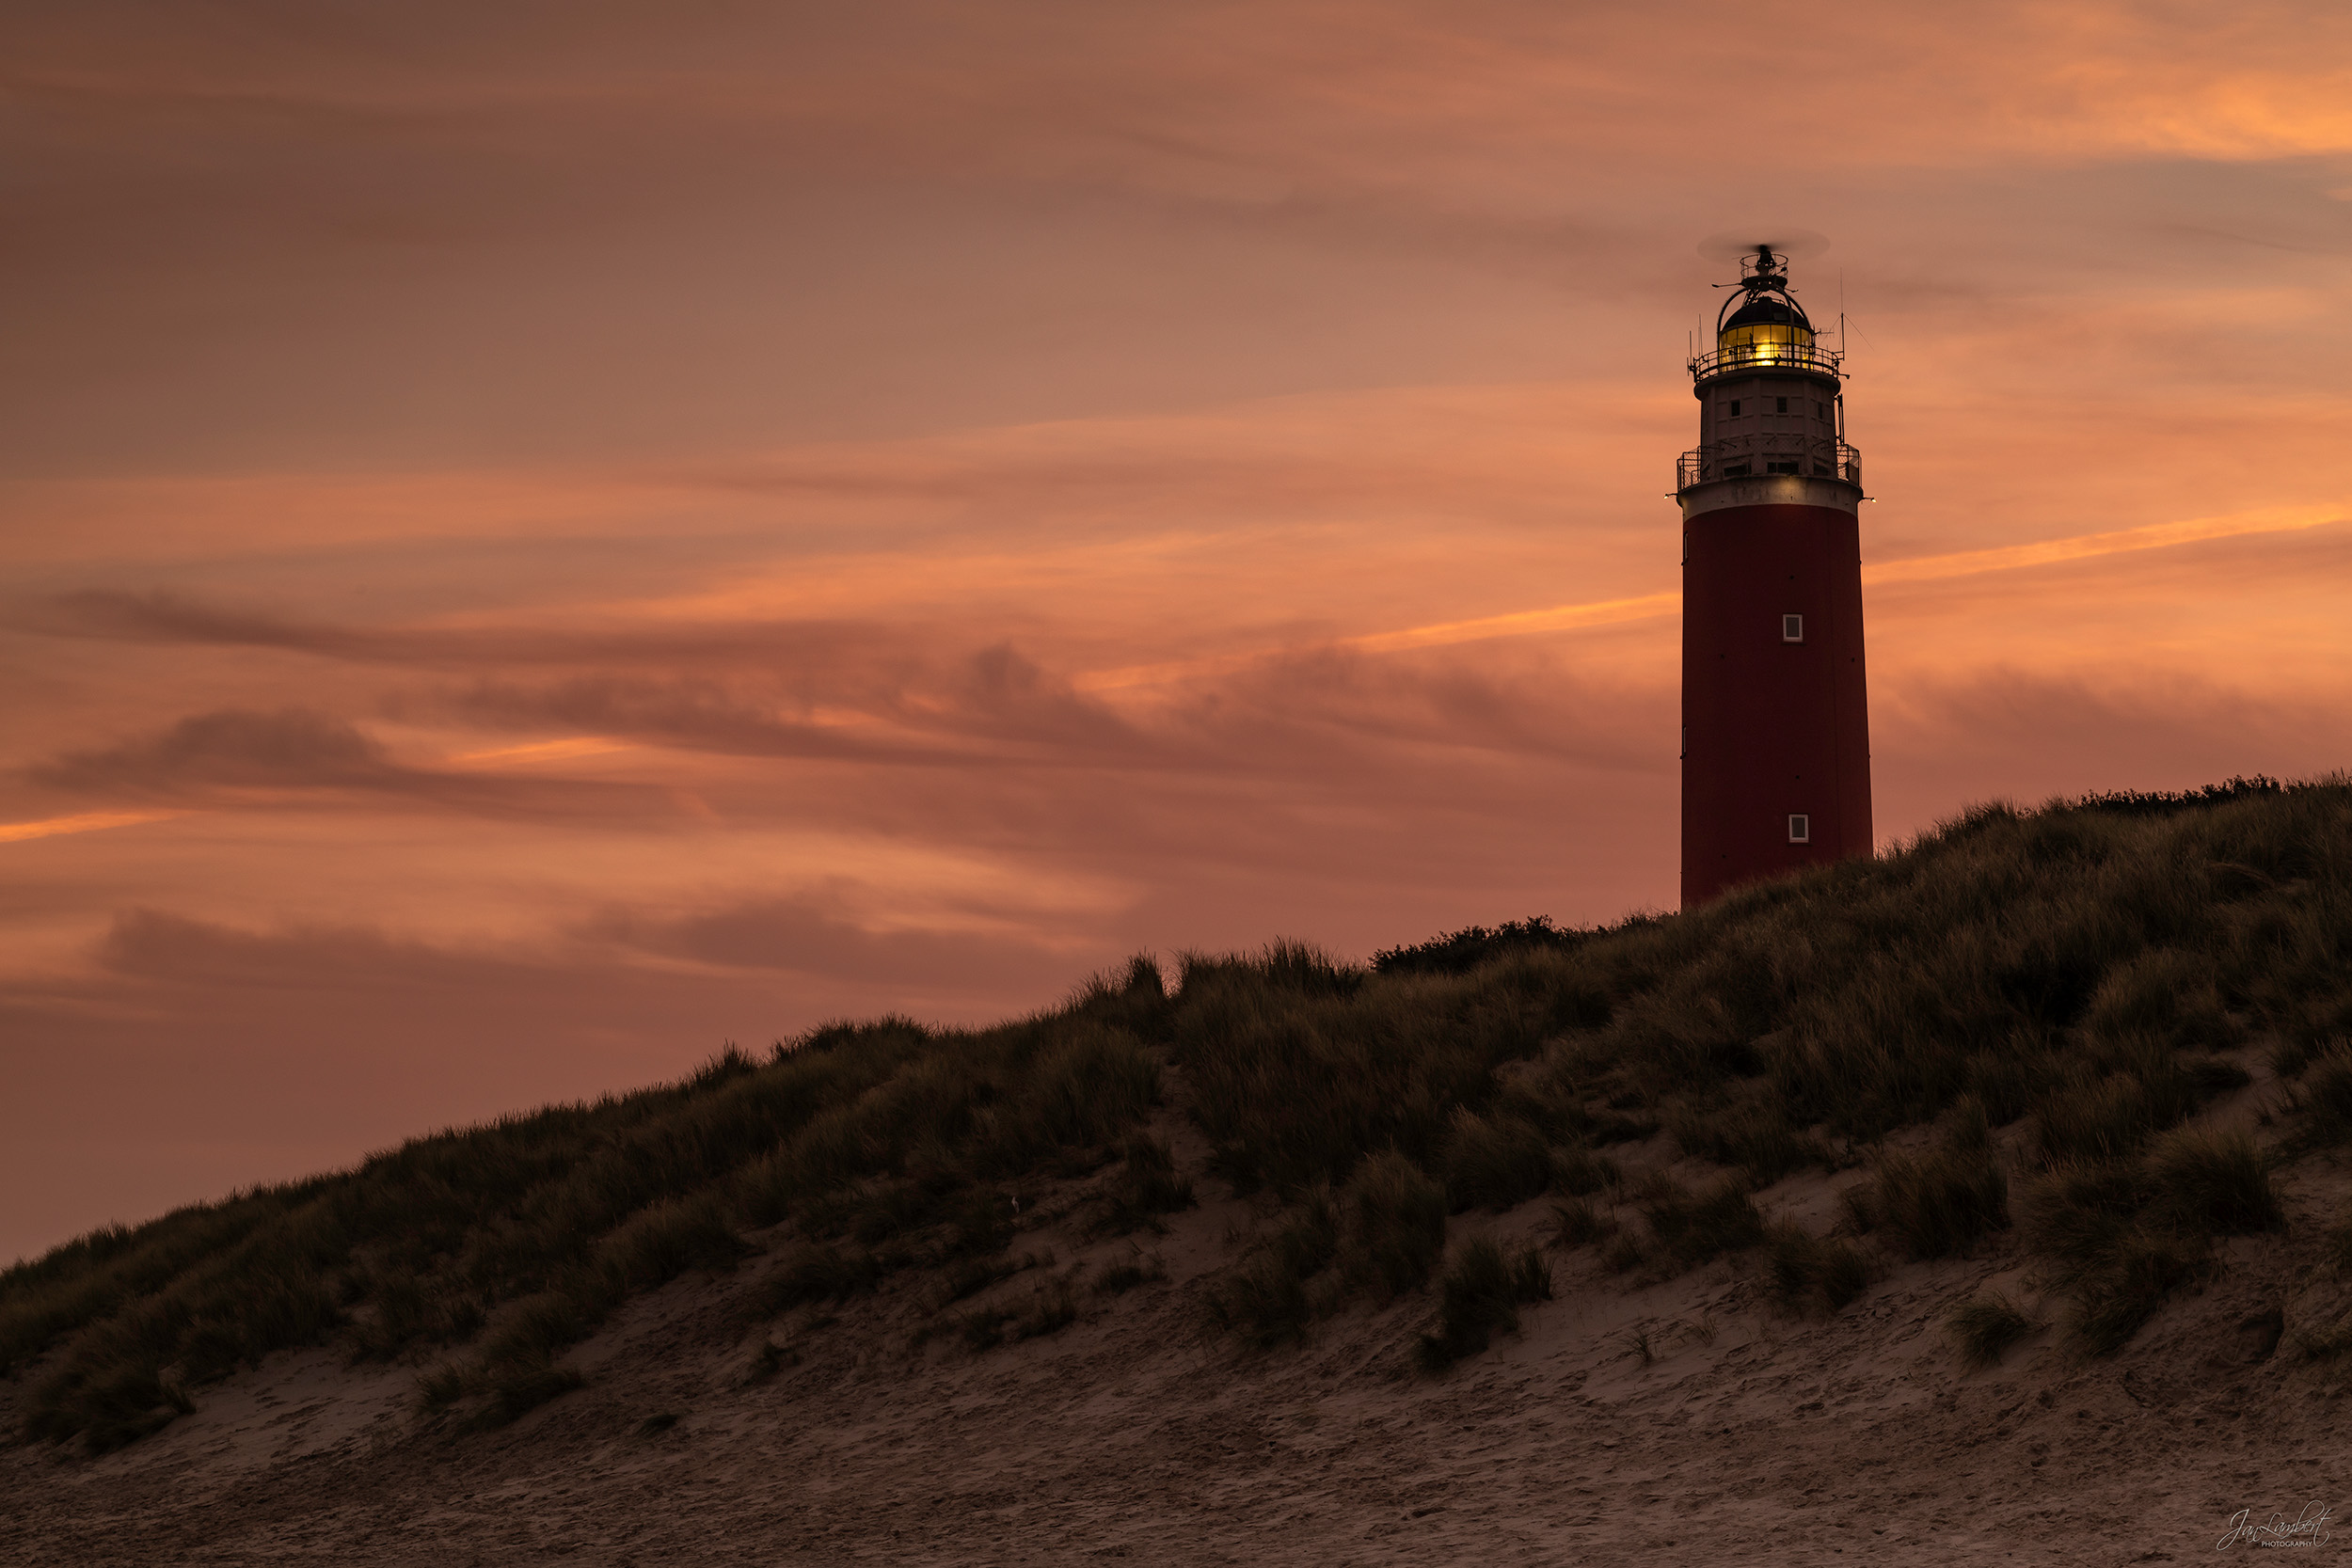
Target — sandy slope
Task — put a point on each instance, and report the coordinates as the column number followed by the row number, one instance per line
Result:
column 1753, row 1437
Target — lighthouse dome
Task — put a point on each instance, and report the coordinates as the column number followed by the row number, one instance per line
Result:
column 1766, row 328
column 1761, row 310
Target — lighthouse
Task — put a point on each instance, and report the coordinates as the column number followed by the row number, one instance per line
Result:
column 1775, row 732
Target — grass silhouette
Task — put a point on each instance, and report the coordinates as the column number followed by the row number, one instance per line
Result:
column 1985, row 1326
column 1937, row 1204
column 1480, row 1294
column 2055, row 992
column 1809, row 1271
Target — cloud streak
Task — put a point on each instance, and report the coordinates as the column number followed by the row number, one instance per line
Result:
column 80, row 822
column 232, row 757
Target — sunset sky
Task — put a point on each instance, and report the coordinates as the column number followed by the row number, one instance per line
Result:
column 541, row 539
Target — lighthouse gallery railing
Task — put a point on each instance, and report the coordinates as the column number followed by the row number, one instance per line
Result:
column 1742, row 357
column 1757, row 457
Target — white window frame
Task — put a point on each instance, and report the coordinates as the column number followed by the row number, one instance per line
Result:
column 1792, row 628
column 1800, row 827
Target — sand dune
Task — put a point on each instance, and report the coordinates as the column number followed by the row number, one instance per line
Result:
column 1747, row 1435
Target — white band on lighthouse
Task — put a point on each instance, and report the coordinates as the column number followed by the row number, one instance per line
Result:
column 1771, row 490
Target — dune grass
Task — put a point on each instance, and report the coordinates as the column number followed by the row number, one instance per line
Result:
column 1052, row 1306
column 1267, row 1300
column 1147, row 1187
column 1810, row 1272
column 1395, row 1223
column 1480, row 1294
column 1692, row 1227
column 1579, row 1222
column 2058, row 990
column 1937, row 1204
column 2119, row 1235
column 2214, row 1183
column 1121, row 1277
column 1984, row 1328
column 1495, row 1162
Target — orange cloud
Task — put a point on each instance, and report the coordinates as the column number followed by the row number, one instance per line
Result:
column 1569, row 617
column 2155, row 536
column 547, row 751
column 81, row 822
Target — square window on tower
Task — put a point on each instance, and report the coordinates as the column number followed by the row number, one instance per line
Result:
column 1792, row 628
column 1780, row 405
column 1821, row 411
column 1734, row 408
column 1800, row 827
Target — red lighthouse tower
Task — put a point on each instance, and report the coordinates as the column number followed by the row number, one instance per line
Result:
column 1775, row 735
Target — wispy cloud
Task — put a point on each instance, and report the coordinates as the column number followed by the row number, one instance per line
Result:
column 545, row 751
column 80, row 822
column 1599, row 612
column 2155, row 536
column 234, row 756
